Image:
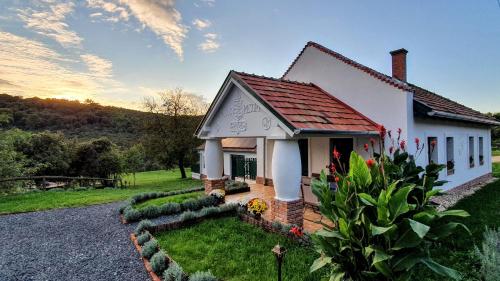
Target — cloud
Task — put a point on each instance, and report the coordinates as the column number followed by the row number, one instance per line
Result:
column 208, row 3
column 94, row 15
column 160, row 16
column 31, row 68
column 117, row 12
column 98, row 66
column 49, row 21
column 163, row 19
column 201, row 24
column 210, row 44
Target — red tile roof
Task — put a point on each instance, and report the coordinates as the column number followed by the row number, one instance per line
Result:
column 432, row 101
column 305, row 106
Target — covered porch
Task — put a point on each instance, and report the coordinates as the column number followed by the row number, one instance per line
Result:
column 296, row 127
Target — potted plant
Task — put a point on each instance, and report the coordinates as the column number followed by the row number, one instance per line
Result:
column 256, row 207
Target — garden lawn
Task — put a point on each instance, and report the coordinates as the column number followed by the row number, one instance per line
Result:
column 153, row 181
column 237, row 251
column 496, row 152
column 458, row 251
column 170, row 199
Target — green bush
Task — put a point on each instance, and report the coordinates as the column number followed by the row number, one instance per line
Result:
column 174, row 273
column 233, row 187
column 143, row 238
column 159, row 262
column 188, row 215
column 489, row 255
column 142, row 226
column 385, row 223
column 170, row 208
column 202, row 276
column 150, row 248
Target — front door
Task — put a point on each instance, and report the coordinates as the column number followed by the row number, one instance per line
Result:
column 237, row 166
column 344, row 146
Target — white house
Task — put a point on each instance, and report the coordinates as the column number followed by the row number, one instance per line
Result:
column 325, row 100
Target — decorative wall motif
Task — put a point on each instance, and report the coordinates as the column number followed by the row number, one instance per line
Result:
column 238, row 112
column 266, row 123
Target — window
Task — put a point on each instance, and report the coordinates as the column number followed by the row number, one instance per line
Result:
column 304, row 156
column 450, row 162
column 471, row 152
column 481, row 151
column 432, row 150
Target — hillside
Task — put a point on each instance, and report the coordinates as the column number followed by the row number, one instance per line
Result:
column 74, row 119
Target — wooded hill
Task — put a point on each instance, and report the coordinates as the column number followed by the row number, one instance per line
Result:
column 74, row 119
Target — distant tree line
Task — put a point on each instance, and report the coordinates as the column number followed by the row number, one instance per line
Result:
column 495, row 132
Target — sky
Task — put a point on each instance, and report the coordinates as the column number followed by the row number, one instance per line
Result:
column 117, row 52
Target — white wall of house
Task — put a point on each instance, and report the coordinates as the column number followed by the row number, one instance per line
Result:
column 460, row 133
column 379, row 101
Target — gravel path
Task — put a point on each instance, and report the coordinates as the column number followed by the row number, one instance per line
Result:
column 68, row 244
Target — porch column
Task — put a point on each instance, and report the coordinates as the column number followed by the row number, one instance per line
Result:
column 287, row 206
column 214, row 165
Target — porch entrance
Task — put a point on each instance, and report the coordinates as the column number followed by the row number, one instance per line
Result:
column 242, row 167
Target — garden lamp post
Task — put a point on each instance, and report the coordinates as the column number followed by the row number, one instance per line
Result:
column 279, row 252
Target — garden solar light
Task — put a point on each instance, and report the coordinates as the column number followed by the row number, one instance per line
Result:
column 279, row 252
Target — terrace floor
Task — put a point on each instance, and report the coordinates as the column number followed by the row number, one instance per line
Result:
column 312, row 218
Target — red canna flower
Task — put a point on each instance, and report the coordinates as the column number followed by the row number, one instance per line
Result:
column 337, row 179
column 366, row 147
column 372, row 141
column 433, row 143
column 402, row 145
column 336, row 154
column 332, row 168
column 370, row 163
column 417, row 142
column 391, row 149
column 399, row 131
column 297, row 231
column 382, row 131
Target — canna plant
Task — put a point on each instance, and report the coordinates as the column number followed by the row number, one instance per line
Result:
column 384, row 220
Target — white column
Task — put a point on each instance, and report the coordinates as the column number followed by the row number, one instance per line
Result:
column 261, row 157
column 287, row 170
column 214, row 159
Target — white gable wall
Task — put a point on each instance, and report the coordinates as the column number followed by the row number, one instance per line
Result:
column 374, row 98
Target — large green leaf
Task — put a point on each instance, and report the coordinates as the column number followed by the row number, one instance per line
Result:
column 343, row 227
column 336, row 276
column 404, row 262
column 419, row 228
column 440, row 269
column 380, row 256
column 398, row 204
column 330, row 234
column 320, row 262
column 445, row 230
column 377, row 230
column 455, row 213
column 359, row 171
column 367, row 199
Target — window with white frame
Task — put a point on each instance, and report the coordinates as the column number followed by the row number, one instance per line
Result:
column 471, row 152
column 450, row 161
column 432, row 150
column 481, row 151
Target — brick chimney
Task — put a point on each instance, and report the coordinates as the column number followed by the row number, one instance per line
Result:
column 399, row 64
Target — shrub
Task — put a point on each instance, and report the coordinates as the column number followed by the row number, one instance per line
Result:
column 202, row 276
column 150, row 248
column 489, row 255
column 142, row 226
column 130, row 214
column 228, row 207
column 159, row 262
column 143, row 238
column 174, row 273
column 170, row 208
column 188, row 215
column 208, row 211
column 151, row 211
column 385, row 222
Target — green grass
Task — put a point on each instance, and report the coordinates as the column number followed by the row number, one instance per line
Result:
column 170, row 199
column 457, row 252
column 236, row 251
column 496, row 152
column 145, row 182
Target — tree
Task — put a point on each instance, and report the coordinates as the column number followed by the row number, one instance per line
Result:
column 12, row 163
column 97, row 158
column 46, row 153
column 175, row 115
column 134, row 159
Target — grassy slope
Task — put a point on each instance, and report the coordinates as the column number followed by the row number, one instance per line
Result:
column 145, row 182
column 457, row 252
column 236, row 251
column 170, row 199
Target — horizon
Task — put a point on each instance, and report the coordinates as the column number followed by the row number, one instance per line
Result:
column 119, row 52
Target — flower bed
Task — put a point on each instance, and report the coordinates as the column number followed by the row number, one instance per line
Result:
column 233, row 187
column 131, row 214
column 157, row 262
